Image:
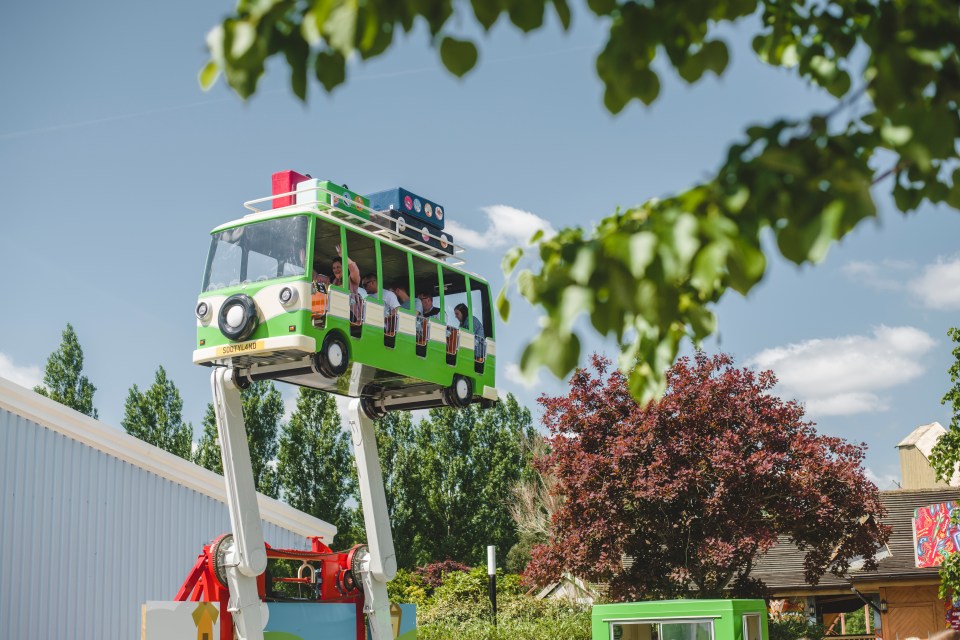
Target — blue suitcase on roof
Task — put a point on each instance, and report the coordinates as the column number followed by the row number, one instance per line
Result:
column 409, row 204
column 416, row 229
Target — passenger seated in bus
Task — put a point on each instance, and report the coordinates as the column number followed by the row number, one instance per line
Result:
column 390, row 301
column 426, row 306
column 462, row 313
column 400, row 290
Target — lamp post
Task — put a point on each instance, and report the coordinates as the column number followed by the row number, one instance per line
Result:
column 492, row 575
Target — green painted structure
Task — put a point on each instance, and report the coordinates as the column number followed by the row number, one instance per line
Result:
column 681, row 620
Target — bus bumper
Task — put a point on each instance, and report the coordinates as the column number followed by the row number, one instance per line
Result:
column 264, row 351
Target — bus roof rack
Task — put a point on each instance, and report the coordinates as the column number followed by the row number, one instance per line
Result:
column 379, row 222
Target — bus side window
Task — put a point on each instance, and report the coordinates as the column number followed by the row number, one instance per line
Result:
column 362, row 251
column 426, row 288
column 394, row 264
column 480, row 308
column 326, row 239
column 454, row 295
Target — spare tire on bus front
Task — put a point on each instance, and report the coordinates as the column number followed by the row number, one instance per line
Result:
column 333, row 357
column 238, row 317
column 460, row 393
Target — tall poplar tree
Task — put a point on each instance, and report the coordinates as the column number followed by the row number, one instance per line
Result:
column 404, row 485
column 315, row 466
column 156, row 416
column 448, row 480
column 63, row 379
column 262, row 413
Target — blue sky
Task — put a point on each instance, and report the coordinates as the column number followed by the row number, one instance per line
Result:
column 114, row 166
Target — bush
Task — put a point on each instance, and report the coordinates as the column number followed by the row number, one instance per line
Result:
column 407, row 587
column 459, row 607
column 519, row 617
column 794, row 627
column 435, row 573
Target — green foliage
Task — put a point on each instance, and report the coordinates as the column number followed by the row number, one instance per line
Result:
column 262, row 412
column 156, row 416
column 315, row 465
column 651, row 275
column 459, row 608
column 946, row 453
column 62, row 377
column 448, row 480
column 207, row 453
column 856, row 621
column 794, row 627
column 946, row 456
column 520, row 554
column 950, row 576
column 407, row 586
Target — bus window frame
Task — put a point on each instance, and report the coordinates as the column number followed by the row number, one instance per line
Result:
column 469, row 282
column 413, row 299
column 378, row 294
column 481, row 286
column 442, row 294
column 309, row 269
column 344, row 256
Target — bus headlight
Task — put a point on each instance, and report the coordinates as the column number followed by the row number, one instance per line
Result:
column 203, row 311
column 288, row 296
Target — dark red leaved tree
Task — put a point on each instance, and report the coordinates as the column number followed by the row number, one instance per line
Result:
column 696, row 485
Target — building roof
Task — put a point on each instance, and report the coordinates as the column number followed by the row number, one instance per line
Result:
column 923, row 437
column 117, row 443
column 782, row 567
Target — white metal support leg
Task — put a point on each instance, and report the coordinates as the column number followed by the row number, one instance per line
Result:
column 247, row 558
column 381, row 564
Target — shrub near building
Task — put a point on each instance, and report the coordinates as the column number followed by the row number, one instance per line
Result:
column 458, row 607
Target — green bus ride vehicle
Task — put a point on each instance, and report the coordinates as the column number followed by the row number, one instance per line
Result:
column 283, row 298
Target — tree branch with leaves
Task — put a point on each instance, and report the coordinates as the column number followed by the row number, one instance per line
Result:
column 650, row 275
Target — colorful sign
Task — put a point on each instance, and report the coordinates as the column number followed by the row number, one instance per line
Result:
column 284, row 621
column 953, row 614
column 933, row 534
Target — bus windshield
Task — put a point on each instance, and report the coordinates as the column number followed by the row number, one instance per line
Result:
column 256, row 252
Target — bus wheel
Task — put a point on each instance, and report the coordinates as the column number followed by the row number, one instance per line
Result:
column 460, row 392
column 333, row 356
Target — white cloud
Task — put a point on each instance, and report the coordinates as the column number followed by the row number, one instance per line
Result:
column 938, row 287
column 883, row 481
column 842, row 376
column 886, row 275
column 25, row 376
column 507, row 226
column 514, row 375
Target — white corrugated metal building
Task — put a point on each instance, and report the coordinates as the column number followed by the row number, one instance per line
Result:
column 94, row 522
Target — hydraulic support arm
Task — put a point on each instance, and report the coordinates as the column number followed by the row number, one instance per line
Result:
column 381, row 564
column 246, row 558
